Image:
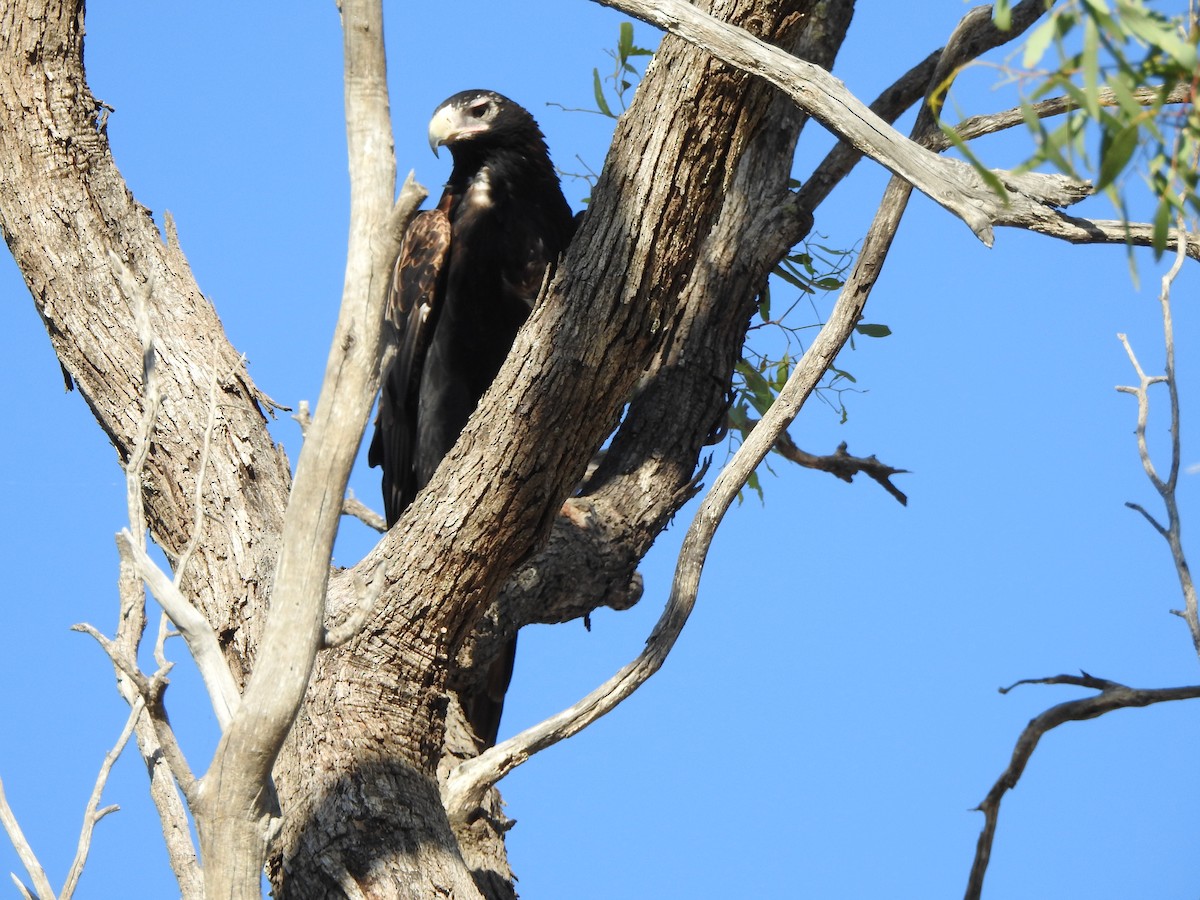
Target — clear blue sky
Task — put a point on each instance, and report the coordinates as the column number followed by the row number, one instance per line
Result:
column 830, row 716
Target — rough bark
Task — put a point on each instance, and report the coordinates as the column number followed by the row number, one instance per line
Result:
column 627, row 300
column 655, row 292
column 647, row 313
column 64, row 209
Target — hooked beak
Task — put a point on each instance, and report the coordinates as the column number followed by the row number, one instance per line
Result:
column 448, row 125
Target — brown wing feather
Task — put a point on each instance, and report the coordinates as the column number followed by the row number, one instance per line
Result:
column 414, row 298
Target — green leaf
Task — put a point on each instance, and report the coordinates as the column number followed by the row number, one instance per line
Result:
column 1091, row 66
column 1039, row 41
column 598, row 89
column 764, row 305
column 875, row 331
column 755, row 485
column 1158, row 32
column 1162, row 227
column 1002, row 14
column 625, row 40
column 805, row 260
column 791, row 278
column 782, row 371
column 1115, row 152
column 829, row 283
column 757, row 390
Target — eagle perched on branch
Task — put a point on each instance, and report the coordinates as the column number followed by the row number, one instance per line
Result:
column 467, row 277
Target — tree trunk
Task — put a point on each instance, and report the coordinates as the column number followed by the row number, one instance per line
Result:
column 651, row 303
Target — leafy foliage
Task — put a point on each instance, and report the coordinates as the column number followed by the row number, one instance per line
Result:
column 624, row 77
column 1130, row 73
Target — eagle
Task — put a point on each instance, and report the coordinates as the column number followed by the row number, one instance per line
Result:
column 467, row 276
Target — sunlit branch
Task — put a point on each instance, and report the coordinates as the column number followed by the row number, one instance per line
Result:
column 1112, row 696
column 954, row 185
column 975, row 35
column 93, row 814
column 1165, row 487
column 979, row 126
column 25, row 853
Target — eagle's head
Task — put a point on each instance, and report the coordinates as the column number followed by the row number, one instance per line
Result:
column 480, row 119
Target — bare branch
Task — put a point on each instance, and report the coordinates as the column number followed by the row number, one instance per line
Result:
column 978, row 126
column 840, row 464
column 303, row 417
column 1154, row 523
column 201, row 639
column 150, row 692
column 1077, row 230
column 975, row 35
column 951, row 184
column 352, row 506
column 92, row 814
column 466, row 785
column 1112, row 696
column 234, row 843
column 25, row 853
column 164, row 779
column 1165, row 487
column 20, row 887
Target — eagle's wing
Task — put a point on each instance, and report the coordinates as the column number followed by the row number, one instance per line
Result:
column 418, row 284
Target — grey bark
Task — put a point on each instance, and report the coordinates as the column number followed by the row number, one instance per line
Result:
column 649, row 308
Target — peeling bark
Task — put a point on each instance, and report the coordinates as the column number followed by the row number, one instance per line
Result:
column 638, row 334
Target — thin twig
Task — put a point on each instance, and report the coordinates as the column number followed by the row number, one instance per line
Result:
column 150, row 690
column 20, row 887
column 839, row 463
column 92, row 814
column 160, row 642
column 352, row 506
column 990, row 123
column 201, row 639
column 25, row 853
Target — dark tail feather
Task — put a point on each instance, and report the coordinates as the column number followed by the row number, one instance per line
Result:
column 483, row 703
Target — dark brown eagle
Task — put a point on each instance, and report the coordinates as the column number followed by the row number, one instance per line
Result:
column 468, row 274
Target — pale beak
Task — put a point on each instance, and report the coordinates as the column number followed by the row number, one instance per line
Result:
column 448, row 125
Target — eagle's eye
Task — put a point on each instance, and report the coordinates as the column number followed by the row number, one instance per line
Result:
column 479, row 110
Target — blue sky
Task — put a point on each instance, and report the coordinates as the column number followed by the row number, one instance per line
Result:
column 830, row 715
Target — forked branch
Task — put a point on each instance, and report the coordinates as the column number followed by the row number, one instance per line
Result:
column 92, row 814
column 1112, row 696
column 465, row 788
column 951, row 184
column 235, row 822
column 1171, row 531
